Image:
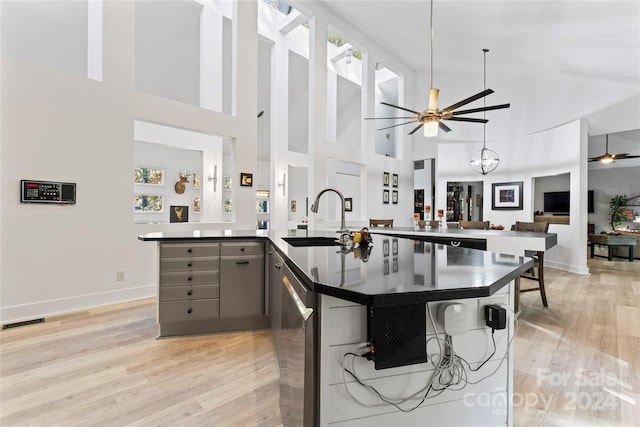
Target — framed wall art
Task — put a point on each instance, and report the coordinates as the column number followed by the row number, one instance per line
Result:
column 246, row 179
column 196, row 204
column 348, row 204
column 507, row 196
column 197, row 181
column 385, row 179
column 179, row 214
column 394, row 181
column 394, row 197
column 148, row 175
column 385, row 196
column 148, row 203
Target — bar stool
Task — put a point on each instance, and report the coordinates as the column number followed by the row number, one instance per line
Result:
column 538, row 258
column 380, row 223
column 475, row 225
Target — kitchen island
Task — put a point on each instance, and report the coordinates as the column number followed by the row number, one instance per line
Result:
column 345, row 296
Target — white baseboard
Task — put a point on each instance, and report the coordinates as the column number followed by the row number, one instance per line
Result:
column 36, row 310
column 566, row 267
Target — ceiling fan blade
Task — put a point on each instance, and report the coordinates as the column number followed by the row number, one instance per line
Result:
column 416, row 129
column 627, row 156
column 478, row 110
column 400, row 124
column 387, row 118
column 444, row 127
column 467, row 119
column 401, row 108
column 468, row 100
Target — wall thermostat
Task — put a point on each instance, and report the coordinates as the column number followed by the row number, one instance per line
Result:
column 47, row 192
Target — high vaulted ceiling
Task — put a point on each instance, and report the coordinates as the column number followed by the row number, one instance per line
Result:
column 554, row 61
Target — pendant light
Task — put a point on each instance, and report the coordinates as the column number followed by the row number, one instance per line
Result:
column 485, row 160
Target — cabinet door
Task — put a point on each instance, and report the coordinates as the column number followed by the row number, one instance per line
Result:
column 276, row 273
column 241, row 286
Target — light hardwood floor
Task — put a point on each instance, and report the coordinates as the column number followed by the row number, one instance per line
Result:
column 577, row 364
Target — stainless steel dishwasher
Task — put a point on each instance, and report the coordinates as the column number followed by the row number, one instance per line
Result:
column 297, row 359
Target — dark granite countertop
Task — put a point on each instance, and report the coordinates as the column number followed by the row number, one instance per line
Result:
column 396, row 270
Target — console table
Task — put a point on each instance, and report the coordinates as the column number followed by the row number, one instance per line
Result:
column 611, row 241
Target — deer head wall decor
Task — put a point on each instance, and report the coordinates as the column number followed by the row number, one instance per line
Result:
column 182, row 181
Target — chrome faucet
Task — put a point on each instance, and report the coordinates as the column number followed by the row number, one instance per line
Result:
column 344, row 233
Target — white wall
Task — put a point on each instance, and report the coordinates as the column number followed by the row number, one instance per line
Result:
column 58, row 125
column 607, row 183
column 558, row 151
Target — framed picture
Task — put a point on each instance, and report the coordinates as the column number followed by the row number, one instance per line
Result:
column 385, row 247
column 395, row 180
column 228, row 205
column 196, row 203
column 293, row 206
column 148, row 176
column 385, row 179
column 262, row 206
column 227, row 182
column 246, row 179
column 385, row 269
column 507, row 196
column 348, row 204
column 196, row 180
column 385, row 196
column 394, row 197
column 394, row 246
column 148, row 203
column 395, row 265
column 179, row 214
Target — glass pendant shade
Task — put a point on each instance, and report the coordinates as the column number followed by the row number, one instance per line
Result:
column 485, row 161
column 431, row 129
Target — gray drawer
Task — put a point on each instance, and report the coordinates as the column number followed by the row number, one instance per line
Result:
column 182, row 311
column 242, row 248
column 186, row 264
column 190, row 278
column 173, row 293
column 183, row 250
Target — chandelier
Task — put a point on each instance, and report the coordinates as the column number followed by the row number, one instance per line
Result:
column 485, row 160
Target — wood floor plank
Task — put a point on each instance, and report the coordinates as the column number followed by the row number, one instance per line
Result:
column 577, row 363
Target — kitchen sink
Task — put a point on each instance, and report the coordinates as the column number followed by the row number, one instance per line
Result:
column 312, row 241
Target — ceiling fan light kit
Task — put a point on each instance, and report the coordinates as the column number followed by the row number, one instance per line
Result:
column 607, row 157
column 432, row 118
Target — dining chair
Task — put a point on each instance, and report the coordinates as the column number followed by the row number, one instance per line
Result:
column 380, row 223
column 475, row 225
column 537, row 271
column 434, row 224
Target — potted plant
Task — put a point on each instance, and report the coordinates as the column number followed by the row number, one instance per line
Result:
column 617, row 215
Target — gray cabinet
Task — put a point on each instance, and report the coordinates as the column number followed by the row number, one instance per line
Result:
column 188, row 285
column 211, row 286
column 242, row 279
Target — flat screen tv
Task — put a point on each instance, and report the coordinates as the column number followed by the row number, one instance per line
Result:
column 556, row 202
column 590, row 204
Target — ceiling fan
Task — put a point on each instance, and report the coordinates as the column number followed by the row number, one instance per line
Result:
column 610, row 158
column 432, row 118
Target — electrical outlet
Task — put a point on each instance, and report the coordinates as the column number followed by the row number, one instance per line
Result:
column 120, row 275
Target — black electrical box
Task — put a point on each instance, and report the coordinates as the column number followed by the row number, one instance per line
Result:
column 495, row 316
column 47, row 192
column 398, row 334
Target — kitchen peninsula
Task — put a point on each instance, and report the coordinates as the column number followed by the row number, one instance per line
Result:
column 323, row 301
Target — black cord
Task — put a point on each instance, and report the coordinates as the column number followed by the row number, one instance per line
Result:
column 493, row 339
column 377, row 392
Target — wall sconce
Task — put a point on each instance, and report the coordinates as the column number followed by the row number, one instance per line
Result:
column 283, row 184
column 348, row 56
column 214, row 178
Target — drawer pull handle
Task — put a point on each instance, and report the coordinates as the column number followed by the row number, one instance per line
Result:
column 189, row 265
column 189, row 310
column 242, row 262
column 190, row 278
column 277, row 265
column 455, row 244
column 190, row 292
column 241, row 249
column 189, row 250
